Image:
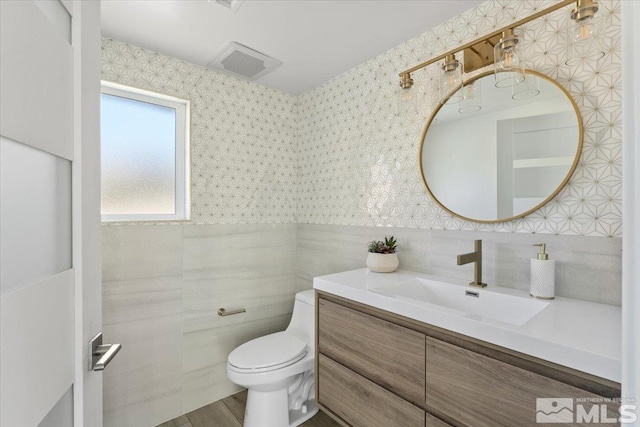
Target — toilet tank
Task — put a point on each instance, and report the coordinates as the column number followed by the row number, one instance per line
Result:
column 303, row 319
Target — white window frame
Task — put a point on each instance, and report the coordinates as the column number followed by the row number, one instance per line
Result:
column 183, row 157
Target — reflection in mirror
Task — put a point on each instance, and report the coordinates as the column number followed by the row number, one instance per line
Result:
column 507, row 158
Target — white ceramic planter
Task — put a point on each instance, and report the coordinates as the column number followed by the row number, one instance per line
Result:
column 382, row 263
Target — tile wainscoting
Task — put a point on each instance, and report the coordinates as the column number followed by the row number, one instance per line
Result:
column 162, row 285
column 587, row 268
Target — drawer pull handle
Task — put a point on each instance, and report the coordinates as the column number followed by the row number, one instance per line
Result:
column 223, row 312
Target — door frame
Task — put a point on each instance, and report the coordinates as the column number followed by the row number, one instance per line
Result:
column 86, row 42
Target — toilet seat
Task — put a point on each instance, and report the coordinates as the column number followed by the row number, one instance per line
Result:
column 267, row 353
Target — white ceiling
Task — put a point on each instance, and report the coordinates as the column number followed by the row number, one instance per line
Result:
column 316, row 40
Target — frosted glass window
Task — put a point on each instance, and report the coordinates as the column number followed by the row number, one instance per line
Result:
column 144, row 156
column 138, row 157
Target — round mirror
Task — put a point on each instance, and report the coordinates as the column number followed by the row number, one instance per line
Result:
column 501, row 153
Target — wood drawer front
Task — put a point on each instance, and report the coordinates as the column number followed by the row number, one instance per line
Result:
column 478, row 391
column 360, row 402
column 387, row 354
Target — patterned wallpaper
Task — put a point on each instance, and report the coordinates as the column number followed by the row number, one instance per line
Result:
column 357, row 157
column 243, row 135
column 341, row 153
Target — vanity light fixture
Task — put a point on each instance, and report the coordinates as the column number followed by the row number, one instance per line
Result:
column 471, row 98
column 406, row 82
column 584, row 33
column 509, row 66
column 405, row 99
column 500, row 46
column 450, row 80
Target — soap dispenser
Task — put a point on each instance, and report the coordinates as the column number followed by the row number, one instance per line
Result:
column 543, row 272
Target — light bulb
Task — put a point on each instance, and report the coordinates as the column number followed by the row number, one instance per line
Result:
column 406, row 95
column 507, row 61
column 472, row 98
column 451, row 79
column 469, row 91
column 585, row 30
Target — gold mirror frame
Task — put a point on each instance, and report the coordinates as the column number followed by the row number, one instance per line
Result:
column 576, row 159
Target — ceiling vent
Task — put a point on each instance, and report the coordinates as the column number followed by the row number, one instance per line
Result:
column 232, row 5
column 243, row 62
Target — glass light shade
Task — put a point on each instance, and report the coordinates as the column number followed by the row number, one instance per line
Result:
column 406, row 96
column 450, row 81
column 584, row 38
column 508, row 63
column 529, row 88
column 406, row 100
column 471, row 99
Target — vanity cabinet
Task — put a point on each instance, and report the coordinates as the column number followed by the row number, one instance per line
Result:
column 376, row 368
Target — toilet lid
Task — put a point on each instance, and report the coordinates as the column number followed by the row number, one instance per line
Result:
column 268, row 352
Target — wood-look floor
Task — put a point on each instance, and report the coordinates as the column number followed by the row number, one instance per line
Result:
column 229, row 412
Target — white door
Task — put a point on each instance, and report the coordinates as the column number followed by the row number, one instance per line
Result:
column 50, row 285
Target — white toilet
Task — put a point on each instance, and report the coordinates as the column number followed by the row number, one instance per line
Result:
column 278, row 370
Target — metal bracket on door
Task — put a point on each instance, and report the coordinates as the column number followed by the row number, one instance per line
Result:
column 102, row 354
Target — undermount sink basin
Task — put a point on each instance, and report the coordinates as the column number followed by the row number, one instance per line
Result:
column 466, row 301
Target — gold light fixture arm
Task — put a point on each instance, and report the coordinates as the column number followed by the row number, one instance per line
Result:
column 486, row 38
column 475, row 51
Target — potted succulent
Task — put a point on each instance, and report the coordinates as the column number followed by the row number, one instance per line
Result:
column 382, row 256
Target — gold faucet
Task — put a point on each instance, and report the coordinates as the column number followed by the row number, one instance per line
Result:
column 475, row 257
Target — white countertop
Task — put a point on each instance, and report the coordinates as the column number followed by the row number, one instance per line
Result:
column 581, row 335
